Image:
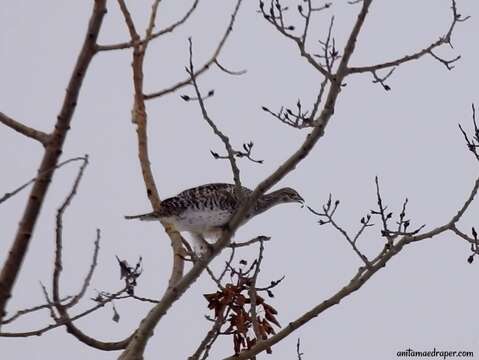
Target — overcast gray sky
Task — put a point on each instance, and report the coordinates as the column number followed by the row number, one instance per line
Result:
column 425, row 298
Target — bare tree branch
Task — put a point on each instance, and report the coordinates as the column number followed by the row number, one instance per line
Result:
column 140, row 120
column 63, row 322
column 275, row 17
column 206, row 66
column 53, row 151
column 24, row 130
column 136, row 348
column 168, row 29
column 12, row 193
column 22, row 312
column 253, row 295
column 445, row 39
column 257, row 239
column 362, row 276
column 329, row 209
column 64, row 317
column 210, row 336
column 230, row 72
column 88, row 277
column 219, row 133
column 299, row 354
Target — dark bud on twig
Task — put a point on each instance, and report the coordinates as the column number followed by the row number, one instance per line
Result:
column 470, row 259
column 116, row 315
column 211, row 92
column 406, row 224
column 291, row 27
column 474, row 233
column 185, row 97
column 98, row 298
column 270, row 293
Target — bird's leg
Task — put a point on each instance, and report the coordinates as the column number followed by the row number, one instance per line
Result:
column 200, row 245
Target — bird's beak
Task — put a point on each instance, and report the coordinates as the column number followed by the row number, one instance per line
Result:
column 301, row 201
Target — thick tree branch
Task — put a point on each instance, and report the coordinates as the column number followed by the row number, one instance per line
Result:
column 139, row 116
column 51, row 156
column 136, row 347
column 24, row 130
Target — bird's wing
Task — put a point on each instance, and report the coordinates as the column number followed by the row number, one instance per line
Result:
column 206, row 190
column 216, row 195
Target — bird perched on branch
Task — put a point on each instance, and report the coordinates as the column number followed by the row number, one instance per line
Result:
column 204, row 210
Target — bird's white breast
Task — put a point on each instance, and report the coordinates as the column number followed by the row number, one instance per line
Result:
column 199, row 221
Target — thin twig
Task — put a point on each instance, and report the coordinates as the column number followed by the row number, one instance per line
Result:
column 445, row 39
column 166, row 30
column 22, row 312
column 205, row 66
column 218, row 132
column 12, row 193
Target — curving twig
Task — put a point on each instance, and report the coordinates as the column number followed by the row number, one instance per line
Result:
column 12, row 193
column 443, row 40
column 207, row 65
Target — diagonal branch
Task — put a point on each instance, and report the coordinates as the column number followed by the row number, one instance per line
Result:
column 137, row 346
column 53, row 151
column 24, row 130
column 8, row 195
column 218, row 132
column 359, row 279
column 445, row 39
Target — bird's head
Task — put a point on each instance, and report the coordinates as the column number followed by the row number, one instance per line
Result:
column 288, row 195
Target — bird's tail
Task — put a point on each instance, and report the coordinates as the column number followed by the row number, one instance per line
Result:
column 144, row 217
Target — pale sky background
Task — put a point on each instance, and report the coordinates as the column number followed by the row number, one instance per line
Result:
column 425, row 298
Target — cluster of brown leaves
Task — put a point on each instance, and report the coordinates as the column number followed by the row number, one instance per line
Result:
column 232, row 305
